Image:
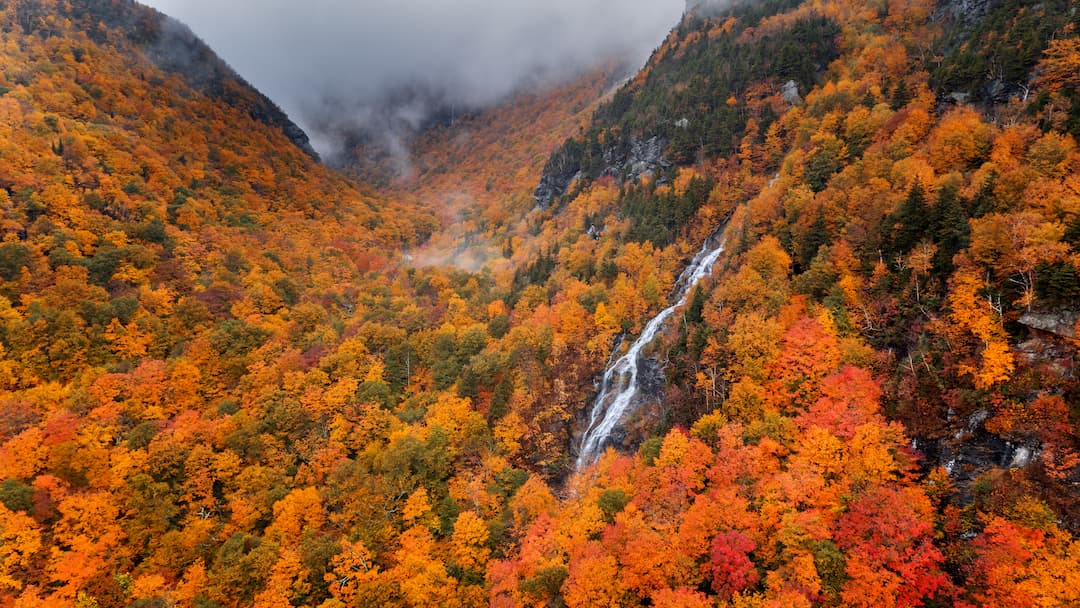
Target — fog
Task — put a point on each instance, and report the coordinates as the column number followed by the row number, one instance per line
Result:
column 337, row 65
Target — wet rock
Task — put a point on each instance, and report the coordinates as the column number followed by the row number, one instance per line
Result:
column 972, row 451
column 966, row 459
column 1021, row 456
column 651, row 380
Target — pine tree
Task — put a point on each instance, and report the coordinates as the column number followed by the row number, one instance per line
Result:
column 949, row 228
column 910, row 223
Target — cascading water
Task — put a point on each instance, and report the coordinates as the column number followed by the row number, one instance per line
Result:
column 620, row 386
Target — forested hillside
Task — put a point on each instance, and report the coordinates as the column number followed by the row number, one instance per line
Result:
column 230, row 376
column 874, row 403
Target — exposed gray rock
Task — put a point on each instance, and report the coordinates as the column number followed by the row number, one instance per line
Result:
column 1060, row 323
column 966, row 12
column 554, row 184
column 967, row 458
column 790, row 92
column 1045, row 350
column 645, row 157
column 997, row 91
column 639, row 158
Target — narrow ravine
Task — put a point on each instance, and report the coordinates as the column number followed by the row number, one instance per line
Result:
column 620, row 387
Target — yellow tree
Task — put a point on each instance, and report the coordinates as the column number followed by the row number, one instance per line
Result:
column 1060, row 67
column 1015, row 244
column 300, row 510
column 420, row 575
column 1019, row 566
column 977, row 315
column 468, row 544
column 20, row 540
column 287, row 580
column 355, row 578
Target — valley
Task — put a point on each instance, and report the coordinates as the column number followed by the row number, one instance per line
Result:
column 233, row 373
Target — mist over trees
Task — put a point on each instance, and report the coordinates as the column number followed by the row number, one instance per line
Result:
column 338, row 66
column 232, row 376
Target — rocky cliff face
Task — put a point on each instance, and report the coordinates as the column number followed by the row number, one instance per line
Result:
column 965, row 11
column 639, row 158
column 1061, row 323
column 561, row 170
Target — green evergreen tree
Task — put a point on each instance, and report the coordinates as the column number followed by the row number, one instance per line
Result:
column 949, row 228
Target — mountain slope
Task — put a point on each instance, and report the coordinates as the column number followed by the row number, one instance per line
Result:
column 777, row 137
column 223, row 384
column 155, row 238
column 894, row 256
column 169, row 44
column 104, row 182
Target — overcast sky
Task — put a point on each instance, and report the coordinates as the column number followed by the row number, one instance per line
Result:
column 321, row 59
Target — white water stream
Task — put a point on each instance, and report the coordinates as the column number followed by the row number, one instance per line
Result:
column 619, row 386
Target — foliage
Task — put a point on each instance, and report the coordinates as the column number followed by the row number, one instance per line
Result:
column 230, row 376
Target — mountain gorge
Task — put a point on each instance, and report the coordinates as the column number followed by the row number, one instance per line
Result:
column 232, row 376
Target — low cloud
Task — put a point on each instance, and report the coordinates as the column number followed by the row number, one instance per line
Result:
column 339, row 67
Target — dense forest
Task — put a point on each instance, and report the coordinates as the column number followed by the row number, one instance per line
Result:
column 231, row 376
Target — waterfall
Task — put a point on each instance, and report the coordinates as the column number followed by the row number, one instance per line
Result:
column 619, row 386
